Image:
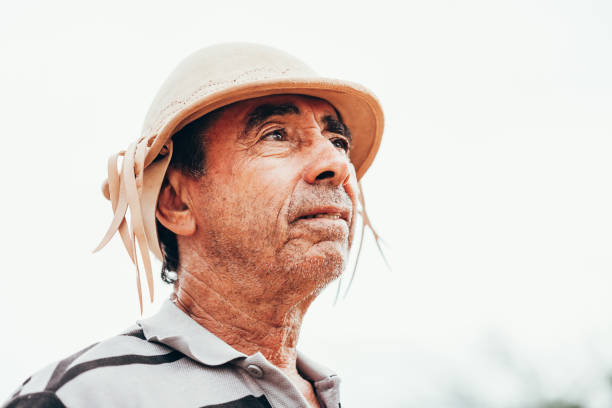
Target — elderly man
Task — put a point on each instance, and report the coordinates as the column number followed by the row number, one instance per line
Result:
column 245, row 184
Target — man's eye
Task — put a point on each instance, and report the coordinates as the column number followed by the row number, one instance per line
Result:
column 275, row 135
column 340, row 143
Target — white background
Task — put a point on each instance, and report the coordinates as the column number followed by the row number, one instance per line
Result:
column 492, row 187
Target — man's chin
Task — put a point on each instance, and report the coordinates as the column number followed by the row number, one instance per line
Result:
column 323, row 262
column 328, row 249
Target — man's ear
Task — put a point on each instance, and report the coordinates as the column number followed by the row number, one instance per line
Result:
column 173, row 210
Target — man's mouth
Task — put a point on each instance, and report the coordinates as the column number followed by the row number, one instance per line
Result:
column 327, row 212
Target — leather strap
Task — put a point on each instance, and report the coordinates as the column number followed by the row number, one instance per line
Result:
column 153, row 179
column 135, row 188
column 366, row 223
column 116, row 195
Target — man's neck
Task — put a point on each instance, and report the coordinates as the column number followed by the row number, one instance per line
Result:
column 249, row 325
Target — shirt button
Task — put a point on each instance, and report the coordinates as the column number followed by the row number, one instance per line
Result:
column 255, row 371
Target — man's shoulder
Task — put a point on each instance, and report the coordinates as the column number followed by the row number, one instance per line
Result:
column 102, row 366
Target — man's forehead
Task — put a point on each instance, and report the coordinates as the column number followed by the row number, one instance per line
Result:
column 246, row 115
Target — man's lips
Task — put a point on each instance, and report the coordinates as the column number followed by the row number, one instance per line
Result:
column 331, row 213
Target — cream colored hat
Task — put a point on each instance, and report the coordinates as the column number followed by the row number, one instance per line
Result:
column 206, row 80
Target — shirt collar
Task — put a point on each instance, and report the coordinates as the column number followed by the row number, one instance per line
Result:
column 172, row 327
column 312, row 370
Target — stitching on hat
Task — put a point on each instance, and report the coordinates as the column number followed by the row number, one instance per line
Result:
column 201, row 90
column 176, row 105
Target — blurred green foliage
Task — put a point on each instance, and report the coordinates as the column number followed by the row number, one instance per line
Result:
column 559, row 404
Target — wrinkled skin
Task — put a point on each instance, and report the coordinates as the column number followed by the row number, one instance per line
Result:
column 252, row 255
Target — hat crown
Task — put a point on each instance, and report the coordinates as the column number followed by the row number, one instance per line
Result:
column 213, row 69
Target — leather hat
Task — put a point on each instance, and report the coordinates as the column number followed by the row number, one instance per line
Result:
column 206, row 80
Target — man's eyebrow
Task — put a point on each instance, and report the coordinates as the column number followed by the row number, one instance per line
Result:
column 262, row 112
column 335, row 125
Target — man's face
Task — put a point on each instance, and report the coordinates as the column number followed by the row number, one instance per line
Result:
column 278, row 196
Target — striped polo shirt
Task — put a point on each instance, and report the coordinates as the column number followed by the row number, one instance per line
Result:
column 169, row 360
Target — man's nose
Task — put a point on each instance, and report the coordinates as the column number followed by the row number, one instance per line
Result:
column 328, row 164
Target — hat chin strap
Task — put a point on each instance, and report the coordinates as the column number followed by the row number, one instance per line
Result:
column 135, row 189
column 365, row 223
